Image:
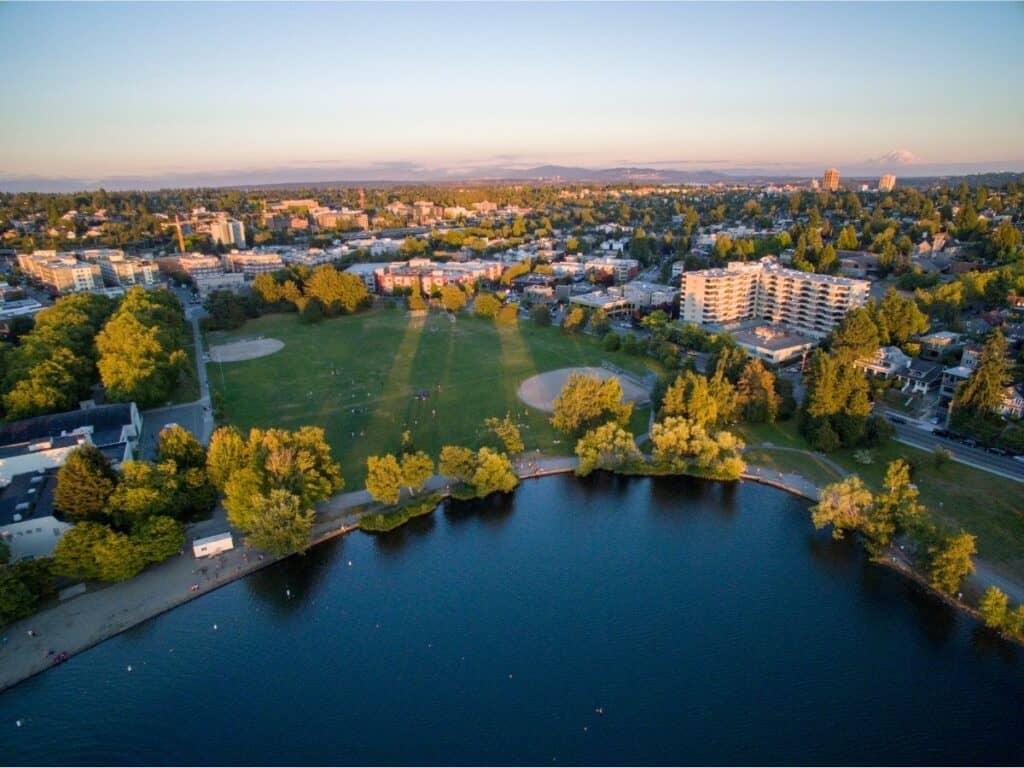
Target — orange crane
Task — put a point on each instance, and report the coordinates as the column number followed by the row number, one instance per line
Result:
column 181, row 239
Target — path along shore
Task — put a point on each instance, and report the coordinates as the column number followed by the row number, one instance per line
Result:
column 81, row 622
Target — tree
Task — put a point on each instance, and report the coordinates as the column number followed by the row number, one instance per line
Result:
column 586, row 402
column 338, row 292
column 278, row 523
column 312, row 312
column 457, row 462
column 685, row 446
column 74, row 557
column 951, row 561
column 486, row 305
column 507, row 431
column 133, row 364
column 898, row 319
column 847, row 240
column 493, row 473
column 508, row 314
column 983, row 391
column 384, row 478
column 227, row 453
column 16, row 599
column 158, row 538
column 705, row 401
column 49, row 385
column 844, row 505
column 452, row 298
column 756, row 393
column 541, row 314
column 118, row 558
column 899, row 497
column 856, row 336
column 608, row 447
column 84, row 484
column 144, row 490
column 574, row 320
column 993, row 608
column 180, row 446
column 836, row 404
column 416, row 469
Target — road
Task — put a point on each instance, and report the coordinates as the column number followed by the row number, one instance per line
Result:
column 1003, row 466
column 197, row 416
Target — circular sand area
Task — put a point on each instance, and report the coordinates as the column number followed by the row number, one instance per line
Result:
column 244, row 350
column 541, row 390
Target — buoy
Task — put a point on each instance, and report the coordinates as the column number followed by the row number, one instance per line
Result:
column 215, row 626
column 18, row 723
column 129, row 667
column 349, row 563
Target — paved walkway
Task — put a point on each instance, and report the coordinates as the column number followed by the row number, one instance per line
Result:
column 106, row 610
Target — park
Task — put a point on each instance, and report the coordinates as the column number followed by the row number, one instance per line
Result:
column 367, row 378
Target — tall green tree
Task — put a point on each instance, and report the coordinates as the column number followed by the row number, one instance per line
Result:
column 983, row 391
column 84, row 484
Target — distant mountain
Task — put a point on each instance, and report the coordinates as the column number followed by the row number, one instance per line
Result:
column 397, row 173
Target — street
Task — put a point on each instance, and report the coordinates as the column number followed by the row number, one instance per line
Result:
column 1004, row 466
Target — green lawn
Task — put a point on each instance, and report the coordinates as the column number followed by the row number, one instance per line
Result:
column 989, row 506
column 357, row 377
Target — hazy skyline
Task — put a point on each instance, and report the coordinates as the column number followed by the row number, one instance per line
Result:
column 133, row 90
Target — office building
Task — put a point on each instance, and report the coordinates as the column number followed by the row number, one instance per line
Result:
column 886, row 183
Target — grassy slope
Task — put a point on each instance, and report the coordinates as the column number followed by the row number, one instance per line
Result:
column 381, row 360
column 990, row 507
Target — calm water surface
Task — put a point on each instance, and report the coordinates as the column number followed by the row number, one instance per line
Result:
column 710, row 623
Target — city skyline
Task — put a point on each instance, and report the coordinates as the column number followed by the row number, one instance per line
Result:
column 148, row 93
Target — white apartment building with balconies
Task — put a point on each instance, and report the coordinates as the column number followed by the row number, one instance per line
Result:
column 804, row 302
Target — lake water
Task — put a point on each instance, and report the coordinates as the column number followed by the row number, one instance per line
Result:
column 710, row 623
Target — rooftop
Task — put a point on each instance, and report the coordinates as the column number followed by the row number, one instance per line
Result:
column 107, row 422
column 27, row 497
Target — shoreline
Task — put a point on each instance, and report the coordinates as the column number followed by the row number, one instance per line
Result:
column 87, row 620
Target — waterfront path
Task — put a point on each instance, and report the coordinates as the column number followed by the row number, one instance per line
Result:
column 105, row 610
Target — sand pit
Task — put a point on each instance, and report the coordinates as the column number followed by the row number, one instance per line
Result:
column 541, row 390
column 249, row 349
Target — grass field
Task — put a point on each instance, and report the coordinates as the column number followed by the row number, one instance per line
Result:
column 358, row 377
column 989, row 506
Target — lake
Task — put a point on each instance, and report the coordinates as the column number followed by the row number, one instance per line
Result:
column 607, row 620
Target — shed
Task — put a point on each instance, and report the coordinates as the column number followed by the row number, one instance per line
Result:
column 213, row 545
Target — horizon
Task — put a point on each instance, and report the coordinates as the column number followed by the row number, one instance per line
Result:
column 800, row 87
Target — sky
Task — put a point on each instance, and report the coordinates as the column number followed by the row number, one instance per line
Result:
column 96, row 91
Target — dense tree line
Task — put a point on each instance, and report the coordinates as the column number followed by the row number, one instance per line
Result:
column 134, row 348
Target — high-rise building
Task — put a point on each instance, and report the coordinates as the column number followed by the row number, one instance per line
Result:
column 805, row 302
column 886, row 183
column 228, row 232
column 831, row 179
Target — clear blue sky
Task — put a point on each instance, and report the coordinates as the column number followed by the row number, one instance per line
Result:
column 99, row 89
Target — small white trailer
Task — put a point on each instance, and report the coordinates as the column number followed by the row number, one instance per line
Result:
column 213, row 545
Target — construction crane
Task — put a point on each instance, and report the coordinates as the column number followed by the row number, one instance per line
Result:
column 181, row 239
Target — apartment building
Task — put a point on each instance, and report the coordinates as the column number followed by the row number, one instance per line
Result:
column 621, row 269
column 252, row 263
column 804, row 302
column 197, row 265
column 886, row 183
column 60, row 272
column 830, row 180
column 122, row 271
column 229, row 232
column 426, row 275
